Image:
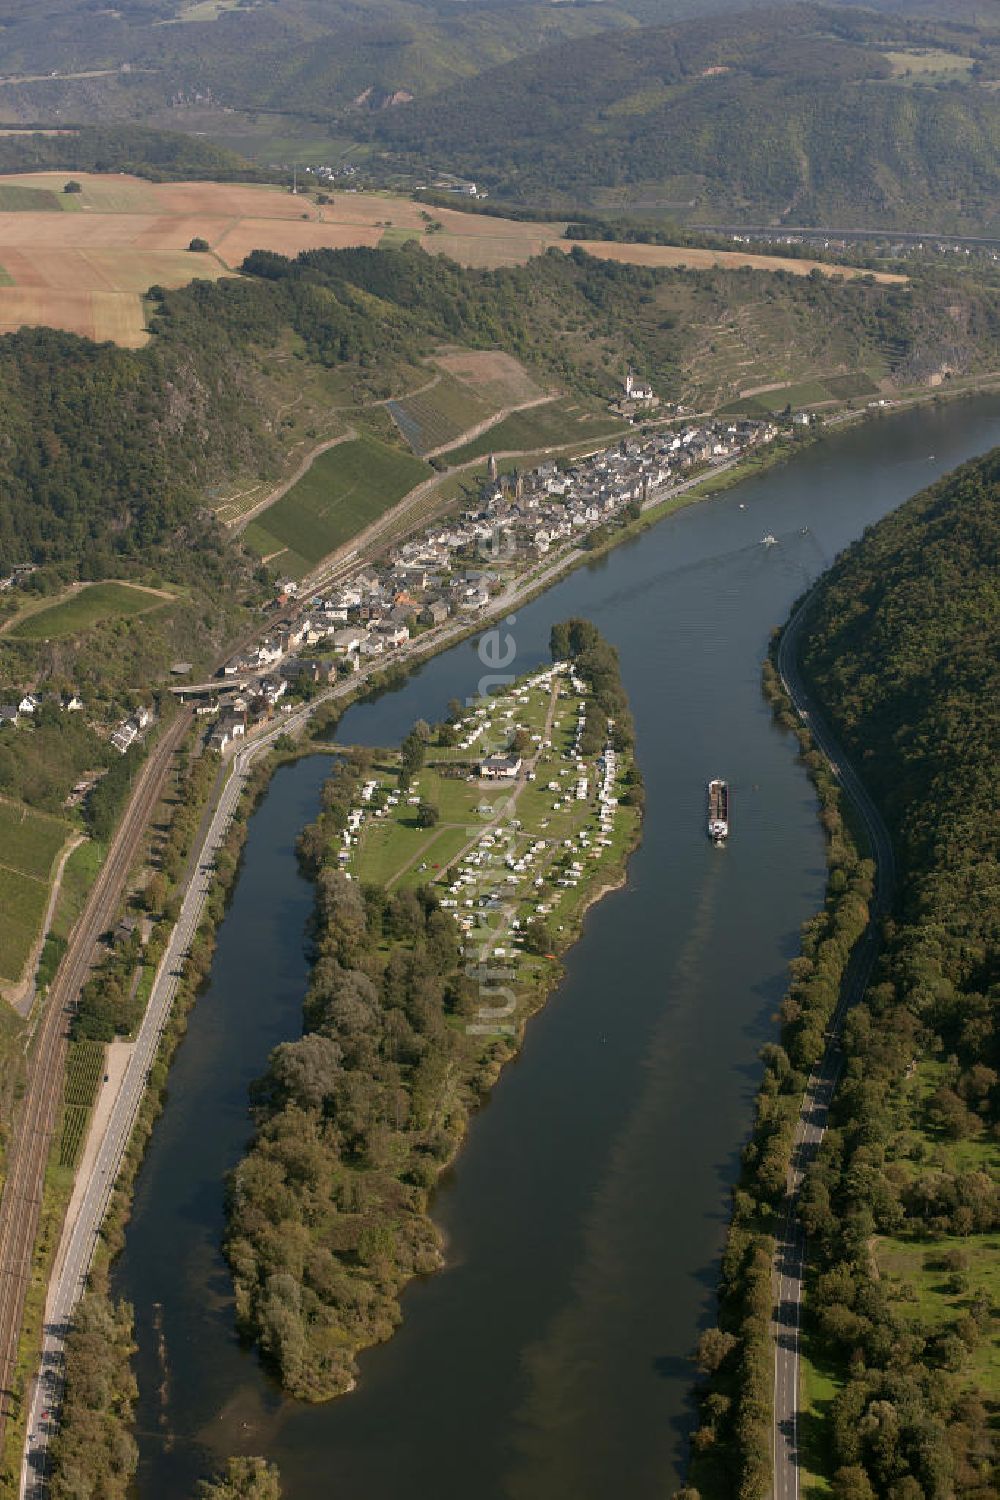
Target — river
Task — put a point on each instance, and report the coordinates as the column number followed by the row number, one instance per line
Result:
column 585, row 1216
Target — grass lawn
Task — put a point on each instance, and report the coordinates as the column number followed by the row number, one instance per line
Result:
column 79, row 874
column 548, row 830
column 930, row 62
column 846, row 386
column 345, row 490
column 85, row 607
column 29, row 846
column 818, row 1388
column 22, row 901
column 393, row 237
column 29, row 840
column 805, row 393
column 921, row 1289
column 548, row 426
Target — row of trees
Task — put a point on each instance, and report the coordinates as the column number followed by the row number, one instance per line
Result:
column 902, row 650
column 732, row 1445
column 94, row 1453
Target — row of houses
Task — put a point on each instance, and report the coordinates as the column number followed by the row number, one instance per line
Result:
column 516, row 519
column 26, row 705
column 129, row 730
column 527, row 514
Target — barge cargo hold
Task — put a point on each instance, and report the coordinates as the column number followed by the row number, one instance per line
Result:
column 718, row 811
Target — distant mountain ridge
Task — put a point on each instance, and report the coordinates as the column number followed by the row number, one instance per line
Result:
column 803, row 114
column 885, row 114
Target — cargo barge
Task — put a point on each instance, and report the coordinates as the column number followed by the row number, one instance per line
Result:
column 718, row 811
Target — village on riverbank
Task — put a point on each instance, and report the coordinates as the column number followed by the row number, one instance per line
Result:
column 518, row 522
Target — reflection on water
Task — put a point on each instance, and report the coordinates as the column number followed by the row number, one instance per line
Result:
column 585, row 1216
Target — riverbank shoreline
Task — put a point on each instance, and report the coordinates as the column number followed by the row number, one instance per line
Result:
column 749, row 1394
column 479, row 624
column 455, row 1030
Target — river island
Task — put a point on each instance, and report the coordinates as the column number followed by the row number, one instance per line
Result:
column 449, row 876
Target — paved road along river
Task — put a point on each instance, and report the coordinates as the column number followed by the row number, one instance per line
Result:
column 585, row 1216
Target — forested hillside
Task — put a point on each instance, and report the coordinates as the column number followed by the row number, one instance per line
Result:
column 903, row 1205
column 160, row 155
column 108, row 454
column 810, row 115
column 675, row 101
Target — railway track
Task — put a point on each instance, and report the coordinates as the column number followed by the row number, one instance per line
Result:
column 21, row 1202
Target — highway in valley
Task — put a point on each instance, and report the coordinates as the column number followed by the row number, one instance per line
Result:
column 790, row 1245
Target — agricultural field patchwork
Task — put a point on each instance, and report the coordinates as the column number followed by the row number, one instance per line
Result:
column 87, row 605
column 438, row 416
column 346, row 489
column 81, row 261
column 471, row 388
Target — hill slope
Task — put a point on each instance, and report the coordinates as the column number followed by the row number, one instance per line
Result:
column 903, row 1205
column 803, row 114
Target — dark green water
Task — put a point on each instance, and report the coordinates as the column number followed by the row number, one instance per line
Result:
column 586, row 1214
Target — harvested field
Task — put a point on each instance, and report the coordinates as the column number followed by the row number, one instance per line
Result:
column 235, row 244
column 95, row 315
column 84, row 268
column 486, row 252
column 498, row 378
column 697, row 259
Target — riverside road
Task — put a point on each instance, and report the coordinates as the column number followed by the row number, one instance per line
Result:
column 790, row 1246
column 80, row 1238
